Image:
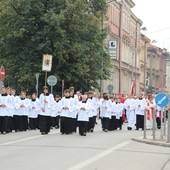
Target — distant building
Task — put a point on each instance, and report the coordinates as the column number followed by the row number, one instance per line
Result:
column 124, row 30
column 168, row 73
column 156, row 70
column 135, row 61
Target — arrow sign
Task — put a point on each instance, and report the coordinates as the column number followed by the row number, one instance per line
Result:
column 162, row 100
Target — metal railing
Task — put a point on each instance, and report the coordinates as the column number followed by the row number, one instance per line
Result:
column 159, row 134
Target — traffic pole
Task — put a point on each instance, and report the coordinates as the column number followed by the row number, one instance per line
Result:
column 162, row 116
column 144, row 130
column 164, row 122
column 45, row 78
column 168, row 135
column 51, row 89
column 154, row 123
column 62, row 87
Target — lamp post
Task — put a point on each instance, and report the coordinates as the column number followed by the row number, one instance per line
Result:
column 37, row 81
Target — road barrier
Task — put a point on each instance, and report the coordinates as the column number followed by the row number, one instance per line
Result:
column 164, row 131
column 168, row 135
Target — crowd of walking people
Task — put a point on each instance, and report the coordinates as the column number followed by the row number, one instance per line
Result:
column 75, row 111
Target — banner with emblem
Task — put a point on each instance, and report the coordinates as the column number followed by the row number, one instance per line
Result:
column 47, row 62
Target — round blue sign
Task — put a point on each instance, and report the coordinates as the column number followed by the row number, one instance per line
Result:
column 162, row 100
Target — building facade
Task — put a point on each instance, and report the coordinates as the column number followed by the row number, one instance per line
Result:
column 137, row 64
column 167, row 73
column 156, row 69
column 124, row 29
column 145, row 41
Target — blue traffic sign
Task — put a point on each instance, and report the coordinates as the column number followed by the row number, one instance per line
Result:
column 162, row 100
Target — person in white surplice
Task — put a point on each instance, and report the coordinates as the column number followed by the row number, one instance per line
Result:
column 130, row 111
column 140, row 111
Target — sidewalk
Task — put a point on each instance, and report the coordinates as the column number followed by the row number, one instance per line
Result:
column 157, row 141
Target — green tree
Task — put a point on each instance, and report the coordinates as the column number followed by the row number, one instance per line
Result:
column 70, row 30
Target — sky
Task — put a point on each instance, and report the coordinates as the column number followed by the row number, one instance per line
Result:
column 155, row 15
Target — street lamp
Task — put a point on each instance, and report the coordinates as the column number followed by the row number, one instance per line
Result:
column 37, row 80
column 153, row 41
column 143, row 29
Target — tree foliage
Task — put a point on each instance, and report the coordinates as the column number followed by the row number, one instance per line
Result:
column 70, row 30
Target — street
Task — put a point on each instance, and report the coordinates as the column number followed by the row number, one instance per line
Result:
column 97, row 151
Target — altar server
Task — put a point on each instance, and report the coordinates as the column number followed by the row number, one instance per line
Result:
column 118, row 109
column 83, row 117
column 105, row 110
column 66, row 109
column 33, row 112
column 55, row 116
column 113, row 123
column 73, row 118
column 14, row 100
column 140, row 110
column 4, row 114
column 23, row 105
column 46, row 105
column 92, row 111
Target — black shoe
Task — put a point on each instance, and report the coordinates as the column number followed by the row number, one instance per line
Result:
column 44, row 133
column 91, row 130
column 129, row 128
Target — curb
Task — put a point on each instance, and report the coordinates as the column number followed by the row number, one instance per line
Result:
column 147, row 141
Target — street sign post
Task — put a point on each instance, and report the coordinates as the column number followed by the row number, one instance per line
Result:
column 52, row 81
column 37, row 82
column 162, row 100
column 168, row 135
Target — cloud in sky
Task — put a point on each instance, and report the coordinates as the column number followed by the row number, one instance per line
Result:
column 155, row 16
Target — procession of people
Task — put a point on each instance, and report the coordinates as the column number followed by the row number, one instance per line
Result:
column 75, row 111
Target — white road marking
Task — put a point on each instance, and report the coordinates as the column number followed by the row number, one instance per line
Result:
column 98, row 156
column 26, row 139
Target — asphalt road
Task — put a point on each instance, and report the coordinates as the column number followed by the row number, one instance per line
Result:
column 97, row 151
